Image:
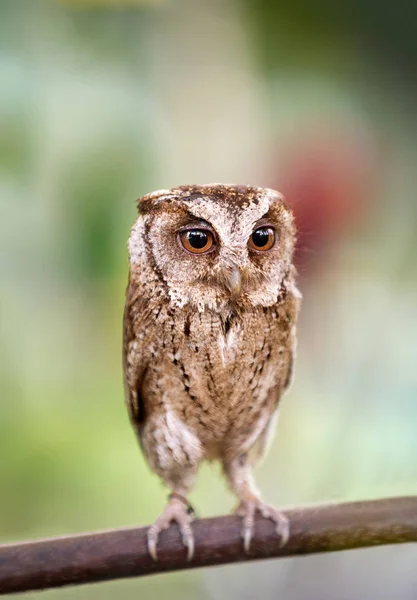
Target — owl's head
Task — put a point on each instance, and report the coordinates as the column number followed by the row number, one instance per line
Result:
column 214, row 245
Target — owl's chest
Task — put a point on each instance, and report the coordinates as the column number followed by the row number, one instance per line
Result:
column 211, row 367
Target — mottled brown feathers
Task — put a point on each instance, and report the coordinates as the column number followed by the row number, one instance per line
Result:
column 209, row 340
column 236, row 197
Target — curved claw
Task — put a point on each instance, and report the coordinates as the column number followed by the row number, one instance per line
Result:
column 188, row 541
column 247, row 537
column 152, row 541
column 283, row 530
column 248, row 514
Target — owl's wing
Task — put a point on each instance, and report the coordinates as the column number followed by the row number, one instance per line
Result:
column 261, row 447
column 293, row 304
column 136, row 323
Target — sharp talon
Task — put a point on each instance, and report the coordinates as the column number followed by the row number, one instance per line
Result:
column 283, row 530
column 246, row 511
column 187, row 539
column 152, row 546
column 247, row 537
column 188, row 542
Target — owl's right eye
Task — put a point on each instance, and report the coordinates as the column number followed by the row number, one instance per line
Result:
column 197, row 241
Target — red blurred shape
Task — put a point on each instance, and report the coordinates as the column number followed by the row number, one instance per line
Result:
column 329, row 178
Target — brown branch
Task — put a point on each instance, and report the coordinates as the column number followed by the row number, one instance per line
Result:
column 114, row 554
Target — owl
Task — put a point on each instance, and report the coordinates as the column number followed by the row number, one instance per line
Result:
column 209, row 340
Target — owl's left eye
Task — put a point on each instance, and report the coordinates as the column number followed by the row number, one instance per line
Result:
column 262, row 239
column 197, row 241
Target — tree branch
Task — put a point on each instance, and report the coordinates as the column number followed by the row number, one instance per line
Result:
column 120, row 553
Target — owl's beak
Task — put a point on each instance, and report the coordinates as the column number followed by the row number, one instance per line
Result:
column 234, row 282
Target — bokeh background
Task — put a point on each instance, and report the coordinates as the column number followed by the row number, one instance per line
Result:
column 103, row 101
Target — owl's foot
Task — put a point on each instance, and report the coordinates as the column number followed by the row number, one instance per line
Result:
column 179, row 510
column 247, row 510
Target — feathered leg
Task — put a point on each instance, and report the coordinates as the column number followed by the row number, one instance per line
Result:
column 239, row 476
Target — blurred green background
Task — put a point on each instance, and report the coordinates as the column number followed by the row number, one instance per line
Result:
column 103, row 101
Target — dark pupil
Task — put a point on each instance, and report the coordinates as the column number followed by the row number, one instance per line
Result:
column 197, row 239
column 260, row 237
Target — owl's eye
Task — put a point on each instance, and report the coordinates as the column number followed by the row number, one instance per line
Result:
column 262, row 239
column 197, row 241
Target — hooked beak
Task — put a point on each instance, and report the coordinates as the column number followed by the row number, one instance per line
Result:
column 234, row 282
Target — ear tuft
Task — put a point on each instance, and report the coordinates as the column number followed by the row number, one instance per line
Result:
column 145, row 203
